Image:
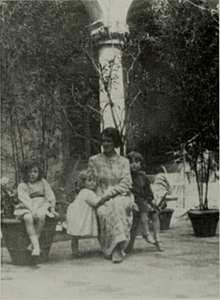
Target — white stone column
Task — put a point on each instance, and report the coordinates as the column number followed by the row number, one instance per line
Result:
column 108, row 26
column 111, row 84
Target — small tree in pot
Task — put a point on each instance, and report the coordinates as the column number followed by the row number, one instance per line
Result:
column 163, row 193
column 196, row 152
column 188, row 37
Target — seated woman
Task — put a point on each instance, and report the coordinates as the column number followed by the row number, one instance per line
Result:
column 114, row 209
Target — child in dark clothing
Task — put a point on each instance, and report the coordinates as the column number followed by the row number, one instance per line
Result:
column 144, row 199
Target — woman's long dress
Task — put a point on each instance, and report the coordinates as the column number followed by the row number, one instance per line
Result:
column 115, row 216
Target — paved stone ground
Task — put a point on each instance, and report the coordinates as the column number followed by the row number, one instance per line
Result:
column 189, row 268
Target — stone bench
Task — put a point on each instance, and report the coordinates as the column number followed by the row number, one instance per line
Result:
column 164, row 215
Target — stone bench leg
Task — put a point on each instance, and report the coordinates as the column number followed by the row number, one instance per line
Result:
column 74, row 246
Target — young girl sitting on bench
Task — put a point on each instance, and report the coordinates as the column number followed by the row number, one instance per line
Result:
column 36, row 200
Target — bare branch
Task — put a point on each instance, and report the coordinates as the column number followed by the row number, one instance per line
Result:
column 129, row 109
column 211, row 11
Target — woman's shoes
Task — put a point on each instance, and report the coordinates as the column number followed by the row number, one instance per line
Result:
column 117, row 256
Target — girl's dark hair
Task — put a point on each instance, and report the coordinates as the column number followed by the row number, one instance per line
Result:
column 112, row 133
column 135, row 156
column 27, row 166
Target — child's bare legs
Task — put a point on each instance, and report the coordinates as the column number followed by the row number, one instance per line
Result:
column 145, row 224
column 156, row 230
column 29, row 224
column 39, row 224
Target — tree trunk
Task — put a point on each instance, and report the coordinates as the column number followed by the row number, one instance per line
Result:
column 19, row 135
column 207, row 182
column 14, row 150
column 87, row 135
column 198, row 186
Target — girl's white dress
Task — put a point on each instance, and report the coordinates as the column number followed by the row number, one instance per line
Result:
column 81, row 215
column 39, row 196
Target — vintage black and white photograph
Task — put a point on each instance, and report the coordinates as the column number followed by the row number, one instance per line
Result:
column 109, row 149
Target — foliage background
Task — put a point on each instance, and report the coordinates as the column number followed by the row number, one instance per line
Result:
column 50, row 93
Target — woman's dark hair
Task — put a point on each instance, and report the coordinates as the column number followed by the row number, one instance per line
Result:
column 112, row 133
column 27, row 166
column 135, row 156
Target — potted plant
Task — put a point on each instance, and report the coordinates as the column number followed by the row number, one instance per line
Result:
column 189, row 46
column 204, row 220
column 163, row 194
column 14, row 231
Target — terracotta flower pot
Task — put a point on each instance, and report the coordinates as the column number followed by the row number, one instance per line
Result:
column 204, row 222
column 17, row 240
column 165, row 218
